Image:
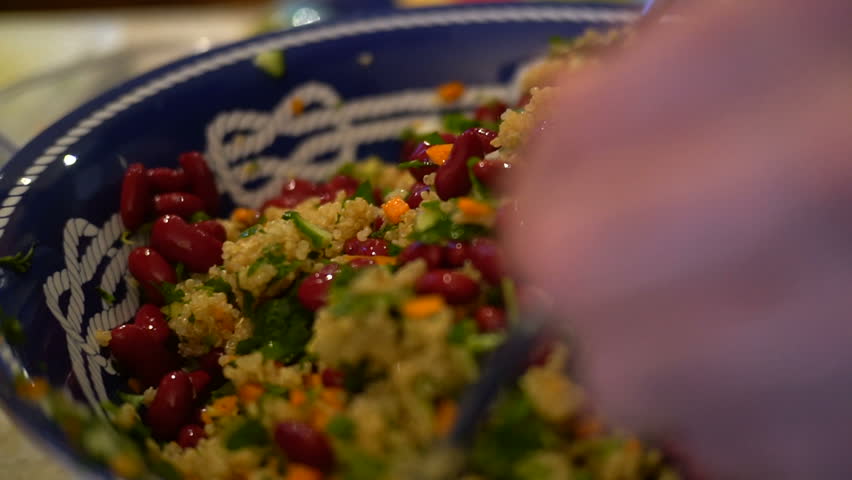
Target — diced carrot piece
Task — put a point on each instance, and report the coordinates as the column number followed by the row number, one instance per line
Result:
column 297, row 106
column 245, row 216
column 33, row 389
column 320, row 419
column 588, row 427
column 474, row 208
column 445, row 416
column 250, row 392
column 298, row 397
column 439, row 154
column 333, row 397
column 225, row 406
column 450, row 92
column 395, row 208
column 205, row 416
column 313, row 380
column 423, row 306
column 296, row 471
column 633, row 445
column 135, row 385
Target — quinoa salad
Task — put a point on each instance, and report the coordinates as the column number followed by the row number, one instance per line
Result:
column 330, row 332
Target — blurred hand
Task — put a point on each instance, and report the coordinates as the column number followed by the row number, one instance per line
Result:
column 688, row 206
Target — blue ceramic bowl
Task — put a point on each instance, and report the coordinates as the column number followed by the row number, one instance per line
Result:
column 363, row 80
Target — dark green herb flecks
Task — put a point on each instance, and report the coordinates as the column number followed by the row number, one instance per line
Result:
column 282, row 330
column 458, row 122
column 106, row 296
column 413, row 164
column 180, row 272
column 257, row 227
column 11, row 329
column 365, row 191
column 20, row 262
column 220, row 285
column 341, row 427
column 251, row 433
column 171, row 293
column 478, row 190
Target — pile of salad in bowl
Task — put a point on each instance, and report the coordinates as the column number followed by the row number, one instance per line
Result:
column 330, row 332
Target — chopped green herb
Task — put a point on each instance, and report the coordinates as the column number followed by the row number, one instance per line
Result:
column 165, row 470
column 171, row 293
column 220, row 285
column 319, row 237
column 282, row 330
column 225, row 390
column 394, row 250
column 458, row 122
column 510, row 298
column 359, row 465
column 180, row 272
column 106, row 296
column 20, row 262
column 387, row 227
column 511, row 434
column 466, row 335
column 199, row 216
column 11, row 329
column 275, row 390
column 252, row 433
column 135, row 400
column 348, row 169
column 356, row 377
column 341, row 427
column 257, row 227
column 125, row 238
column 273, row 257
column 365, row 191
column 272, row 63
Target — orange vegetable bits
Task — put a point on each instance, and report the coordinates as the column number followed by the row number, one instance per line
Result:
column 451, row 92
column 423, row 306
column 394, row 209
column 445, row 416
column 588, row 427
column 297, row 471
column 249, row 393
column 222, row 407
column 245, row 216
column 297, row 106
column 32, row 388
column 474, row 208
column 439, row 154
column 298, row 397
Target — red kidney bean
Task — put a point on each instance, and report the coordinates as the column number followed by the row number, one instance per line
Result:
column 523, row 101
column 541, row 352
column 171, row 407
column 313, row 291
column 448, row 137
column 190, row 435
column 301, row 443
column 167, row 179
column 490, row 319
column 415, row 198
column 378, row 223
column 180, row 242
column 341, row 183
column 177, row 203
column 491, row 172
column 299, row 186
column 378, row 198
column 135, row 196
column 490, row 112
column 432, row 254
column 452, row 179
column 201, row 180
column 485, row 137
column 151, row 270
column 455, row 254
column 369, row 247
column 209, row 362
column 485, row 255
column 212, row 228
column 200, row 380
column 282, row 201
column 140, row 353
column 407, row 147
column 419, row 155
column 152, row 319
column 332, row 378
column 456, row 288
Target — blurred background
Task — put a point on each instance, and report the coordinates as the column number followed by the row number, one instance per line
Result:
column 57, row 54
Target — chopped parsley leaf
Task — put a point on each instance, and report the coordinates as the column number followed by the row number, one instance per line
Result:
column 282, row 330
column 20, row 262
column 106, row 296
column 11, row 329
column 251, row 433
